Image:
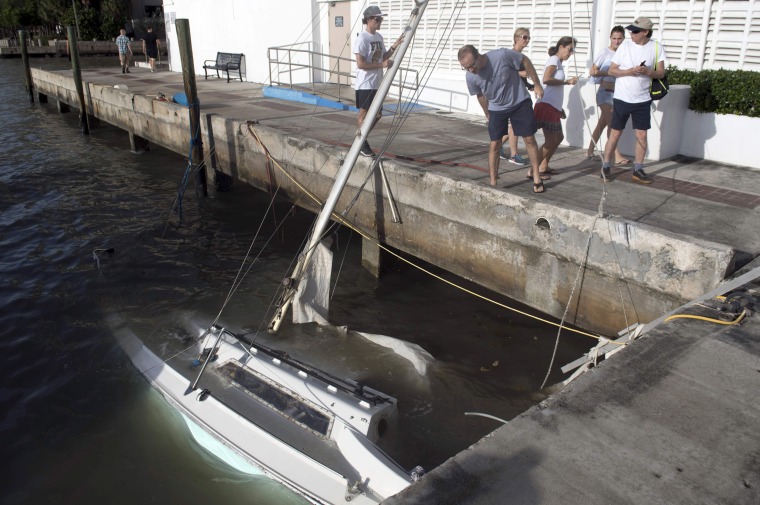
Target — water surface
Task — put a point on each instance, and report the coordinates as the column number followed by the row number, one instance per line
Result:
column 80, row 424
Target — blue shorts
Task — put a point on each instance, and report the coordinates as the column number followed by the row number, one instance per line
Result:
column 521, row 117
column 640, row 114
column 604, row 96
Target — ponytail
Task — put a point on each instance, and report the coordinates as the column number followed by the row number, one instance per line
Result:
column 562, row 42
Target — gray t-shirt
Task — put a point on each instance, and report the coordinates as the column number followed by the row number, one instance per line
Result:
column 499, row 80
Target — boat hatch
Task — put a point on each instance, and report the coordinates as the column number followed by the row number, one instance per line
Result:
column 298, row 410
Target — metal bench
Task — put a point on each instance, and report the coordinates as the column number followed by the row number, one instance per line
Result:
column 225, row 62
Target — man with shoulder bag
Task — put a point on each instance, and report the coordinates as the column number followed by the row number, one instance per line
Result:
column 636, row 63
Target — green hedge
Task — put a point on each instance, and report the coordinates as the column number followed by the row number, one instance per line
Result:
column 721, row 91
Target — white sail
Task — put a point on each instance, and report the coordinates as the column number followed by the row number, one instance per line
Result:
column 311, row 301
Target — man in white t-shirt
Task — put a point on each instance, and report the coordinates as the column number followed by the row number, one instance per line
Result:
column 636, row 62
column 371, row 59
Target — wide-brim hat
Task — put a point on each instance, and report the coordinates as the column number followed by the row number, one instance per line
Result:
column 372, row 11
column 640, row 23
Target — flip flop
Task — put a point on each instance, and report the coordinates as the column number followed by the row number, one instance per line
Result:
column 623, row 162
column 537, row 186
column 541, row 175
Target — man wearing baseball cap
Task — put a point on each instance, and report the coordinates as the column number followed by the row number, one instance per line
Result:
column 371, row 59
column 637, row 61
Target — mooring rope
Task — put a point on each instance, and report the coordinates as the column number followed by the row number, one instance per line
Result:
column 351, row 226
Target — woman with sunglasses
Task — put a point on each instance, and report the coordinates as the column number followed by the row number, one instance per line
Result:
column 521, row 39
column 549, row 110
column 599, row 71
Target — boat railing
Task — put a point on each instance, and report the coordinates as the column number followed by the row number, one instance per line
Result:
column 298, row 66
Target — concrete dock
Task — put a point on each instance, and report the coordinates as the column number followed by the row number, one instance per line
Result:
column 670, row 419
column 664, row 244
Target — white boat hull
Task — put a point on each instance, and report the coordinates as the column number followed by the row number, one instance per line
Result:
column 378, row 476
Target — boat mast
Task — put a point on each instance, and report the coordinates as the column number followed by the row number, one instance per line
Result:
column 291, row 283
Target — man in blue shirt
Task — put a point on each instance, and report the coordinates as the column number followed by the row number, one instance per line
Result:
column 122, row 41
column 494, row 77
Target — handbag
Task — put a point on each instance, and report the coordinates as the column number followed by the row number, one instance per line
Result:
column 659, row 87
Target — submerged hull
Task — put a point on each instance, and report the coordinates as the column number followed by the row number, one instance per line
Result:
column 325, row 464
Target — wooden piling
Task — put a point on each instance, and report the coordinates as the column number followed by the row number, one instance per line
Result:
column 74, row 53
column 188, row 77
column 27, row 70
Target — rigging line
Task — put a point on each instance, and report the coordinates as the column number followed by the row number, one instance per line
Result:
column 350, row 225
column 237, row 282
column 402, row 113
column 581, row 268
column 340, row 268
column 622, row 276
column 319, row 170
column 323, row 92
column 428, row 72
column 194, row 140
column 575, row 64
column 600, row 209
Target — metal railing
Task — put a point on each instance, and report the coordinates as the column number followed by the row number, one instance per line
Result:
column 298, row 66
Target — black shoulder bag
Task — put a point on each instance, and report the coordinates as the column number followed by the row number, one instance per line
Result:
column 659, row 87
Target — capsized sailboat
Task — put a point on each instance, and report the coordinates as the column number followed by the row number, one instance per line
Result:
column 314, row 432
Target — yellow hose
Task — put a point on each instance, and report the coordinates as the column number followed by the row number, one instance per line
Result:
column 709, row 319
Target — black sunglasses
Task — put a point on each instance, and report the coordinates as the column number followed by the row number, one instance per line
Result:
column 635, row 31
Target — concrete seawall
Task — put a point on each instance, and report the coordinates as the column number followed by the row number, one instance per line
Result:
column 516, row 244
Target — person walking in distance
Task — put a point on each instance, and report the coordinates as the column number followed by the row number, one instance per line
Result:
column 520, row 41
column 549, row 110
column 636, row 62
column 494, row 77
column 371, row 59
column 605, row 92
column 122, row 42
column 150, row 48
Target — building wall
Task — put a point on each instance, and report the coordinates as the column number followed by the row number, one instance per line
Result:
column 697, row 34
column 241, row 26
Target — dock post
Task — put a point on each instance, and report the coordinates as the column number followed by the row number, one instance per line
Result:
column 27, row 70
column 74, row 52
column 188, row 77
column 374, row 259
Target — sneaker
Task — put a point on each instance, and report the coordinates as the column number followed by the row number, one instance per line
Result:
column 606, row 171
column 502, row 154
column 518, row 160
column 641, row 177
column 366, row 150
